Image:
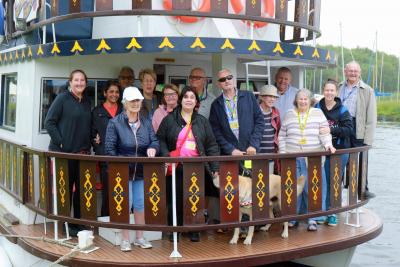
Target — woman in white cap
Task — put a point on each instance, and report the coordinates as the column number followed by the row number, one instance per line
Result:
column 269, row 141
column 129, row 134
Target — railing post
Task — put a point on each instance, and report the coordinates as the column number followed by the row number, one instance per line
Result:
column 175, row 253
column 55, row 207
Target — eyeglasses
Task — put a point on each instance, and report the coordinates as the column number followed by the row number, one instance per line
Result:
column 195, row 77
column 171, row 95
column 223, row 79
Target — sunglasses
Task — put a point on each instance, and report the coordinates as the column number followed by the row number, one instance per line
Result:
column 223, row 79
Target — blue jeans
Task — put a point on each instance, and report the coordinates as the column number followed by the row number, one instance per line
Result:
column 302, row 200
column 344, row 158
column 136, row 195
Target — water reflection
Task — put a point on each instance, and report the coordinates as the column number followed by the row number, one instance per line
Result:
column 385, row 182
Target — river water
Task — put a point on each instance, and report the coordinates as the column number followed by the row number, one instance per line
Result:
column 384, row 181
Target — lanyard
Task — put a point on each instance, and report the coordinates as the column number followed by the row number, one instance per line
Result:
column 348, row 95
column 232, row 110
column 302, row 125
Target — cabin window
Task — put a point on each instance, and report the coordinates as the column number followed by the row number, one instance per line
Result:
column 51, row 87
column 9, row 101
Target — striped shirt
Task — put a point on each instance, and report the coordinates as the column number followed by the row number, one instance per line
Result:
column 290, row 135
column 267, row 141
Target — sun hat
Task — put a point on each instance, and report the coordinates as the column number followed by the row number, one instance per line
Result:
column 131, row 93
column 269, row 90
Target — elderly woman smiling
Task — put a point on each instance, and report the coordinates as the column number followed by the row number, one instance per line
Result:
column 305, row 129
column 131, row 135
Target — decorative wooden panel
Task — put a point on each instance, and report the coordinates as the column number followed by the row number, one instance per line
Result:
column 1, row 164
column 363, row 173
column 301, row 16
column 62, row 185
column 30, row 179
column 314, row 15
column 87, row 183
column 288, row 186
column 8, row 169
column 353, row 177
column 155, row 200
column 281, row 9
column 181, row 4
column 314, row 184
column 118, row 182
column 43, row 182
column 54, row 8
column 219, row 6
column 74, row 6
column 229, row 191
column 335, row 185
column 13, row 186
column 193, row 193
column 253, row 7
column 102, row 5
column 141, row 4
column 260, row 189
column 20, row 173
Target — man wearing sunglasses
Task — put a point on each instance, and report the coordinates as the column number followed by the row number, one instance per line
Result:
column 198, row 80
column 236, row 118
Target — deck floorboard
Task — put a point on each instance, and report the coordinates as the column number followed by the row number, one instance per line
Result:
column 214, row 248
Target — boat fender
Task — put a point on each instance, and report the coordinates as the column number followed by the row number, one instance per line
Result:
column 204, row 7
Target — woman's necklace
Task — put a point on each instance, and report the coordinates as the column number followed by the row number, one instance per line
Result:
column 302, row 126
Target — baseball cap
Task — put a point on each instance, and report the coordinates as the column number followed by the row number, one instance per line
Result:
column 131, row 93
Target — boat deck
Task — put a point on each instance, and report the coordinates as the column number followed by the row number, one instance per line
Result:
column 214, row 248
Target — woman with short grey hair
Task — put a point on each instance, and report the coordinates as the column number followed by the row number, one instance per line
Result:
column 305, row 129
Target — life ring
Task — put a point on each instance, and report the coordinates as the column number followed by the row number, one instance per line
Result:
column 205, row 7
column 269, row 8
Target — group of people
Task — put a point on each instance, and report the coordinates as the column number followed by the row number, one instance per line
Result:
column 193, row 122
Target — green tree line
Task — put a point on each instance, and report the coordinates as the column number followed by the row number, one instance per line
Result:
column 366, row 58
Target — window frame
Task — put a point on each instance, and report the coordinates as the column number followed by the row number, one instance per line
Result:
column 4, row 105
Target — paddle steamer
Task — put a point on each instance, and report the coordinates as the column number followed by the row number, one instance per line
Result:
column 42, row 41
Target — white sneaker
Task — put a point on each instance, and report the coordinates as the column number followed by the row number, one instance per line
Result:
column 143, row 243
column 125, row 245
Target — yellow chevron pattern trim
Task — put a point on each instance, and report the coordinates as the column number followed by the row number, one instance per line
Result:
column 16, row 55
column 30, row 52
column 197, row 43
column 55, row 49
column 227, row 44
column 23, row 54
column 88, row 190
column 154, row 194
column 194, row 192
column 118, row 193
column 278, row 49
column 166, row 43
column 315, row 183
column 288, row 186
column 10, row 56
column 229, row 191
column 254, row 46
column 328, row 56
column 315, row 53
column 76, row 48
column 260, row 190
column 39, row 51
column 298, row 51
column 103, row 46
column 133, row 44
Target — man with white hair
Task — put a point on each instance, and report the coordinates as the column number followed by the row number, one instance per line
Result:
column 359, row 99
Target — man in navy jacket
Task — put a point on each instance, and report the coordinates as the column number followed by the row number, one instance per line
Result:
column 236, row 118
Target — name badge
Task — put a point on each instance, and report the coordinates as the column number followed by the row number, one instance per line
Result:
column 190, row 145
column 234, row 124
column 303, row 141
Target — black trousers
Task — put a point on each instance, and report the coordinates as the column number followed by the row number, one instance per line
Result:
column 73, row 170
column 104, row 181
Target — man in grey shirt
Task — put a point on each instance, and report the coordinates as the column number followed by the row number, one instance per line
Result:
column 198, row 80
column 287, row 93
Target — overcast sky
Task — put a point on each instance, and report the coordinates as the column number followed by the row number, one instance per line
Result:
column 361, row 19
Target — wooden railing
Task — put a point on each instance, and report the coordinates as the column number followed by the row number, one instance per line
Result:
column 306, row 15
column 27, row 175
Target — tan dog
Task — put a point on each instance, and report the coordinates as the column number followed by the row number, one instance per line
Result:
column 245, row 191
